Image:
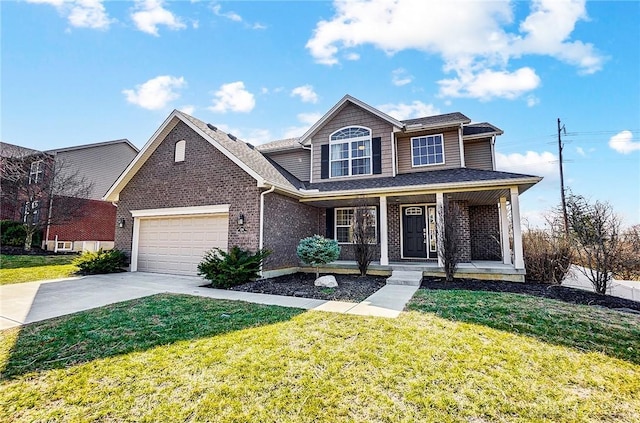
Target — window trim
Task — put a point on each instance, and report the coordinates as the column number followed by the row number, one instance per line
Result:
column 427, row 164
column 63, row 245
column 353, row 209
column 351, row 159
column 33, row 207
column 35, row 177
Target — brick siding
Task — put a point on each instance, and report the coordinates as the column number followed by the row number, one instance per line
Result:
column 205, row 177
column 393, row 234
column 464, row 232
column 485, row 232
column 95, row 221
column 286, row 222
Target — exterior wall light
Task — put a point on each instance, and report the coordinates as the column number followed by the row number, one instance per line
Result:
column 121, row 222
column 241, row 220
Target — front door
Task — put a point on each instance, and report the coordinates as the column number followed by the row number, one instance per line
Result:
column 414, row 232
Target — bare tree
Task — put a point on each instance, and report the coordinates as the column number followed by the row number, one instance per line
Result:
column 41, row 189
column 595, row 233
column 364, row 236
column 449, row 237
column 629, row 263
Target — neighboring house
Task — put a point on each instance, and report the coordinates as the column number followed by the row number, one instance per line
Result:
column 92, row 224
column 193, row 187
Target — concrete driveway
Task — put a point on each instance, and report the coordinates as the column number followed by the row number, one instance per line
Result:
column 34, row 301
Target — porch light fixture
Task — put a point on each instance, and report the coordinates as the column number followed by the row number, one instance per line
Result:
column 121, row 222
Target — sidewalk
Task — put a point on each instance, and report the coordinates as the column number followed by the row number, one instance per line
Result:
column 34, row 301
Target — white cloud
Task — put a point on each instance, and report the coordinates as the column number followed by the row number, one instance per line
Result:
column 622, row 142
column 257, row 136
column 151, row 13
column 156, row 93
column 489, row 84
column 307, row 119
column 352, row 56
column 474, row 39
column 531, row 163
column 188, row 109
column 581, row 151
column 532, row 100
column 306, row 94
column 403, row 111
column 81, row 13
column 233, row 97
column 258, row 26
column 400, row 77
column 233, row 16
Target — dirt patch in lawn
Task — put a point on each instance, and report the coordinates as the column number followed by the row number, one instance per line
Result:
column 556, row 292
column 350, row 287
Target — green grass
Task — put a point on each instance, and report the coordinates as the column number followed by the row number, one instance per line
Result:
column 182, row 358
column 26, row 268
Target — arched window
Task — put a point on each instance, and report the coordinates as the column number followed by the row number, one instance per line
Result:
column 179, row 151
column 350, row 151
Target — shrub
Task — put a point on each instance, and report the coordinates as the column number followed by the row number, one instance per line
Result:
column 101, row 261
column 547, row 256
column 236, row 267
column 14, row 234
column 316, row 250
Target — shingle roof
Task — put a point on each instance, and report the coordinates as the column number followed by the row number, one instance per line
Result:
column 95, row 144
column 455, row 117
column 251, row 157
column 15, row 151
column 435, row 177
column 480, row 128
column 280, row 145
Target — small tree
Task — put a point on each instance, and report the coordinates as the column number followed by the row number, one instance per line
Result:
column 595, row 233
column 364, row 236
column 317, row 250
column 547, row 255
column 227, row 269
column 449, row 237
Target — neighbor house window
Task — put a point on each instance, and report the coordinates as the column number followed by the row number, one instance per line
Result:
column 180, row 149
column 345, row 224
column 36, row 172
column 64, row 246
column 427, row 150
column 350, row 152
column 31, row 208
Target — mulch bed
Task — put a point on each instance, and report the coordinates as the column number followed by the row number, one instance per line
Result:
column 556, row 292
column 350, row 287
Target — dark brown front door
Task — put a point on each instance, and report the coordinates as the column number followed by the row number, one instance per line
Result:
column 414, row 232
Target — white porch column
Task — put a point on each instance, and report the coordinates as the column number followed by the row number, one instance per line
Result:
column 439, row 226
column 384, row 232
column 504, row 231
column 517, row 231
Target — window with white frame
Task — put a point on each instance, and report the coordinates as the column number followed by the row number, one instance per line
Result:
column 64, row 246
column 180, row 150
column 36, row 172
column 31, row 208
column 427, row 150
column 345, row 224
column 350, row 152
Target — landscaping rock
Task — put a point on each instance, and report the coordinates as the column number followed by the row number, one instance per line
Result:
column 327, row 281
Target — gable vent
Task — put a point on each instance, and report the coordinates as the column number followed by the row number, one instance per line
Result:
column 213, row 128
column 233, row 137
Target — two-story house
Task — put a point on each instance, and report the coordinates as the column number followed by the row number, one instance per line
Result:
column 193, row 187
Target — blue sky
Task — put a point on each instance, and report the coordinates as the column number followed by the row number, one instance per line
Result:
column 83, row 71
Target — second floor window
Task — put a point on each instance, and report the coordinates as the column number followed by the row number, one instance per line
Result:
column 350, row 152
column 36, row 172
column 427, row 150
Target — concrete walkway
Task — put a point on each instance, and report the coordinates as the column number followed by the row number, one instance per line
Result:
column 34, row 301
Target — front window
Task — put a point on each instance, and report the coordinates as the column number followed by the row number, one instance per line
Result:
column 346, row 226
column 350, row 152
column 31, row 209
column 427, row 150
column 36, row 171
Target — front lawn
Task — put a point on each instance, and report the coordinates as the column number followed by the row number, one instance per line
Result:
column 27, row 268
column 179, row 358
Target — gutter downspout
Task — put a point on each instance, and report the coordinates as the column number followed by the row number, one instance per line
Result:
column 261, row 242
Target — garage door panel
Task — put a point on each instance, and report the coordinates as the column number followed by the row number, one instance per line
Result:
column 176, row 245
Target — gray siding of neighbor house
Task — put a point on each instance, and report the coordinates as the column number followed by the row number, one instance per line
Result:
column 296, row 162
column 205, row 177
column 451, row 152
column 101, row 164
column 477, row 154
column 351, row 115
column 286, row 222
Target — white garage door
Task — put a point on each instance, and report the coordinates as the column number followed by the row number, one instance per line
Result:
column 176, row 244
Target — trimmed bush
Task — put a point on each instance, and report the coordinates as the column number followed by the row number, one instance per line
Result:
column 13, row 234
column 317, row 250
column 101, row 261
column 547, row 256
column 236, row 267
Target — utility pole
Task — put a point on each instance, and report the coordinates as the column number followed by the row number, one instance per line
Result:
column 564, row 202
